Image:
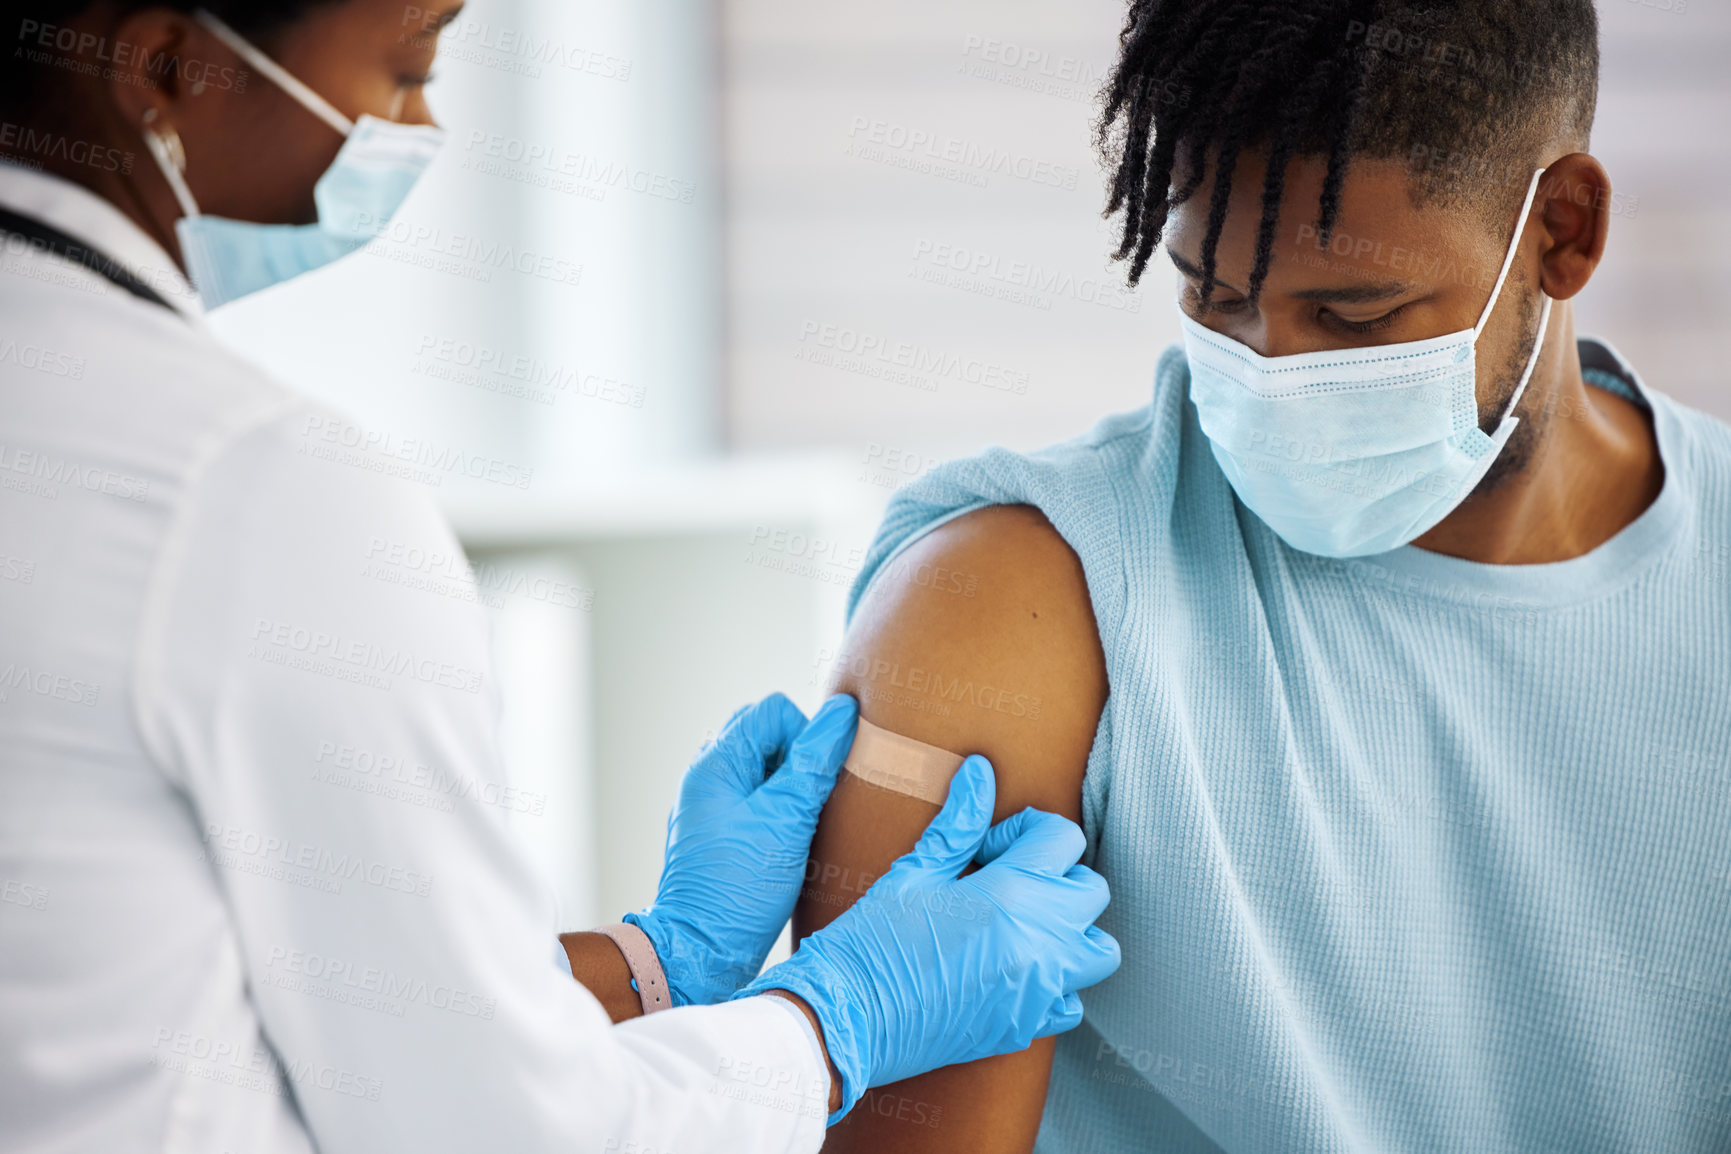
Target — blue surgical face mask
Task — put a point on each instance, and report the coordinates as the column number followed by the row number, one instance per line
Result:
column 379, row 163
column 1350, row 452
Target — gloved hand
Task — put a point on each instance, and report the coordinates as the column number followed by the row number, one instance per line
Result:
column 929, row 969
column 737, row 845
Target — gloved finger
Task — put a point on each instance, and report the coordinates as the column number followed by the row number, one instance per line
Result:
column 1000, row 838
column 731, row 718
column 1092, row 894
column 800, row 787
column 1064, row 1014
column 955, row 835
column 757, row 737
column 1034, row 841
column 1097, row 959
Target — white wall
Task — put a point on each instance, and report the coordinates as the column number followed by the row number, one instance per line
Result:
column 818, row 233
column 836, row 217
column 1664, row 291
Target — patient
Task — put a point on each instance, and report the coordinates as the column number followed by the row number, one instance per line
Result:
column 1382, row 851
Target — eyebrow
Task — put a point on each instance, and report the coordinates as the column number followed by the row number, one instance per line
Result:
column 1364, row 293
column 450, row 15
column 1195, row 273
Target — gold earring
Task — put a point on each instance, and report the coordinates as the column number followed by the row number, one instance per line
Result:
column 172, row 150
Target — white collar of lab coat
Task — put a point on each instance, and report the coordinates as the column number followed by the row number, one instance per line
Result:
column 80, row 213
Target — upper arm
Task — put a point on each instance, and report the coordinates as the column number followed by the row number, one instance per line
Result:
column 978, row 638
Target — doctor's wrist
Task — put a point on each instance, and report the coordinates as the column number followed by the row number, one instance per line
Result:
column 600, row 968
column 698, row 973
column 674, row 964
column 804, row 1007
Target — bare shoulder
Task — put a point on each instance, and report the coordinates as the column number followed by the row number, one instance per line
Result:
column 980, row 638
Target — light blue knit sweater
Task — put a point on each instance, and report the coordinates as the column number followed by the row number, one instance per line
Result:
column 1407, row 853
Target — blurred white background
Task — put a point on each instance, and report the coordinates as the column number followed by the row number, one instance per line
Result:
column 724, row 273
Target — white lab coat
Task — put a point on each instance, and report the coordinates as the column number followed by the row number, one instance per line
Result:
column 259, row 892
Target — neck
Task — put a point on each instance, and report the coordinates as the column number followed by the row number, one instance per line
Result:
column 138, row 190
column 1591, row 465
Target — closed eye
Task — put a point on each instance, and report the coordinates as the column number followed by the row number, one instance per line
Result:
column 1370, row 326
column 1193, row 304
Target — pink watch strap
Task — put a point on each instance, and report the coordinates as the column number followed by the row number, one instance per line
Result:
column 645, row 967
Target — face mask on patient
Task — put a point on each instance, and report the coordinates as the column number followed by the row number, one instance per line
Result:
column 1350, row 452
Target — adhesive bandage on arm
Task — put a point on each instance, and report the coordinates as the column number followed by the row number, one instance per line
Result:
column 891, row 761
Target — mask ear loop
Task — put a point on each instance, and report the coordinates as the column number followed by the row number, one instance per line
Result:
column 1532, row 361
column 170, row 156
column 1509, row 257
column 278, row 75
column 1544, row 314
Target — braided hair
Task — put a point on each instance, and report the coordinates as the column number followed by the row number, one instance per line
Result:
column 1463, row 91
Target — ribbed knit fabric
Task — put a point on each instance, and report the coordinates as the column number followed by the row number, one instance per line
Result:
column 1407, row 853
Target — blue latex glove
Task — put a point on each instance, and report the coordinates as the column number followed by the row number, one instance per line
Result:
column 929, row 969
column 737, row 844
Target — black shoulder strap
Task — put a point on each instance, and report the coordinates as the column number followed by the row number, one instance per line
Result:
column 70, row 248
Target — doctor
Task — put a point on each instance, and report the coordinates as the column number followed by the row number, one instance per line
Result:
column 259, row 895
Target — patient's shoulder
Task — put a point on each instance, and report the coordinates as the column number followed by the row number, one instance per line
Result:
column 979, row 637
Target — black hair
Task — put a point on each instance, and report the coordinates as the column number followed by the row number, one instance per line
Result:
column 25, row 83
column 1465, row 92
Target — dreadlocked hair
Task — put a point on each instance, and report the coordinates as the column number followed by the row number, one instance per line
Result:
column 1464, row 92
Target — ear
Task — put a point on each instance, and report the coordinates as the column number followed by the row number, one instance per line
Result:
column 152, row 67
column 1575, row 207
